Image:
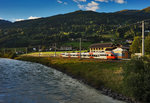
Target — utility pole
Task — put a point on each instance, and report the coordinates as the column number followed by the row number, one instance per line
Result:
column 15, row 51
column 142, row 38
column 80, row 48
column 39, row 50
column 26, row 50
column 55, row 49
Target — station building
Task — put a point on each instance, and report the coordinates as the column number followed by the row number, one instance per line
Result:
column 119, row 51
column 101, row 47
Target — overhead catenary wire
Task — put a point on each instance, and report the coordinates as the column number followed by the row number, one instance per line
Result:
column 138, row 22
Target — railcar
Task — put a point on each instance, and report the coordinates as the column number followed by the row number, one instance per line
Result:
column 94, row 55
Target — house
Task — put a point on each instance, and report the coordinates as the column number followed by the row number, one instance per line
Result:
column 121, row 52
column 129, row 41
column 101, row 47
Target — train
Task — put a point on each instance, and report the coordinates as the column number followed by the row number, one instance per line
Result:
column 92, row 55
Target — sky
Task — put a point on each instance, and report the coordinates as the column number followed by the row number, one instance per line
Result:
column 17, row 10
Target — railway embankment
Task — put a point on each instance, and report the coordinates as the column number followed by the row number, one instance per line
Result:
column 104, row 75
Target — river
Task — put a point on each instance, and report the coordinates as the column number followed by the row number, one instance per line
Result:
column 26, row 82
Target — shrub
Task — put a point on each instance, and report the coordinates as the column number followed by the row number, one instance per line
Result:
column 137, row 79
column 12, row 55
column 8, row 55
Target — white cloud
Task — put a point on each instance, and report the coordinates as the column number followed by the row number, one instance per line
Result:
column 59, row 1
column 19, row 19
column 31, row 17
column 1, row 18
column 77, row 1
column 82, row 0
column 119, row 1
column 65, row 3
column 93, row 6
column 102, row 0
column 81, row 6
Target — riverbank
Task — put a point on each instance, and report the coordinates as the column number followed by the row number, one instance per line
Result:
column 105, row 76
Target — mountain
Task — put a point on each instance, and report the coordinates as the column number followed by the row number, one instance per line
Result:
column 135, row 12
column 147, row 10
column 63, row 28
column 129, row 12
column 4, row 23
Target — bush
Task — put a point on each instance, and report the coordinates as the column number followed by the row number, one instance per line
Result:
column 137, row 79
column 8, row 55
column 12, row 55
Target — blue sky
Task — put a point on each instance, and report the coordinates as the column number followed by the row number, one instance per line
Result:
column 16, row 10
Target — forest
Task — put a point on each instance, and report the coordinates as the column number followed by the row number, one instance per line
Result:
column 92, row 27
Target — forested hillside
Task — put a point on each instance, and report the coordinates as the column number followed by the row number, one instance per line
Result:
column 90, row 26
column 4, row 23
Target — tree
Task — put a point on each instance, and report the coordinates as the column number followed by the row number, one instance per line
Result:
column 137, row 79
column 147, row 44
column 129, row 34
column 136, row 45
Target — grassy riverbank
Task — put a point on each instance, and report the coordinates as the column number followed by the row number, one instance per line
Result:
column 96, row 73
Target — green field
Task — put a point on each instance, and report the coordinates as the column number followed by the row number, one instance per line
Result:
column 51, row 53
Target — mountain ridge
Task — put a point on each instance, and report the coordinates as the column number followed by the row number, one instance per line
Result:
column 145, row 10
column 62, row 28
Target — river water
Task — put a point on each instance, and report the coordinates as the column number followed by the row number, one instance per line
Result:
column 26, row 82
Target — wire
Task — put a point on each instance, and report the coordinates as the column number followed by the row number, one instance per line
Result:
column 127, row 25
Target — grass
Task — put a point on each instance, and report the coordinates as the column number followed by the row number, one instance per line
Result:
column 51, row 53
column 93, row 72
column 108, row 36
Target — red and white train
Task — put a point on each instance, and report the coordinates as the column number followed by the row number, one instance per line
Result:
column 95, row 55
